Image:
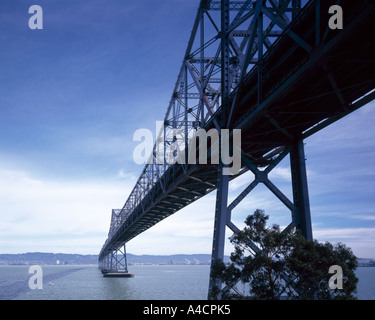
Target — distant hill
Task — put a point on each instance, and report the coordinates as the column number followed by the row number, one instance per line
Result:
column 47, row 258
column 173, row 259
column 366, row 262
column 40, row 258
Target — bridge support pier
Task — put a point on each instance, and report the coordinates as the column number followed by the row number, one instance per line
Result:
column 115, row 264
column 302, row 215
column 299, row 207
column 221, row 217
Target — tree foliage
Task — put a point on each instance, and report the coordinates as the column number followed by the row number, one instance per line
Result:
column 274, row 264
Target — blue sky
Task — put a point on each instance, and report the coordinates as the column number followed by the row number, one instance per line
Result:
column 71, row 97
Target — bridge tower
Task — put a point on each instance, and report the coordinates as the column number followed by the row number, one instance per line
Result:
column 263, row 22
column 115, row 263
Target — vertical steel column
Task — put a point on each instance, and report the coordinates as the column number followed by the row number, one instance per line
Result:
column 186, row 114
column 111, row 262
column 260, row 58
column 225, row 80
column 221, row 211
column 202, row 77
column 296, row 7
column 317, row 22
column 302, row 215
column 221, row 215
column 126, row 260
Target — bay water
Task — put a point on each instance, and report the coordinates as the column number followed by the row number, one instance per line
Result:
column 151, row 282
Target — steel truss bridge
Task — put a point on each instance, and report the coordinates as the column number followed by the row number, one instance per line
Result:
column 272, row 68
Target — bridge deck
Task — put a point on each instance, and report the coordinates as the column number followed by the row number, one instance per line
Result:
column 302, row 92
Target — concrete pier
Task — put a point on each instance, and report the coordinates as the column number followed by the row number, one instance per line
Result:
column 118, row 274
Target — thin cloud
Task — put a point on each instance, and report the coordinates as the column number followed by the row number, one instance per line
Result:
column 365, row 217
column 345, row 233
column 35, row 210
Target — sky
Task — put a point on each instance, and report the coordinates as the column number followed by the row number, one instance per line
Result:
column 73, row 94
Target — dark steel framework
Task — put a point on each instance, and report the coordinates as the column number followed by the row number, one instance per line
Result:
column 275, row 70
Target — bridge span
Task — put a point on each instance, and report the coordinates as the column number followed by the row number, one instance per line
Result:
column 276, row 70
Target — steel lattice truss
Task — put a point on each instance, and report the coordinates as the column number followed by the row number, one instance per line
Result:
column 271, row 68
column 116, row 261
column 198, row 92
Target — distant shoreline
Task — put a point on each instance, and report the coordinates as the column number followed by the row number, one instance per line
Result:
column 39, row 258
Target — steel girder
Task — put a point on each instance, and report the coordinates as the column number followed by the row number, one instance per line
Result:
column 198, row 92
column 199, row 89
column 271, row 66
column 266, row 117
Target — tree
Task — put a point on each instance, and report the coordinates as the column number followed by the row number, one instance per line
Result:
column 275, row 264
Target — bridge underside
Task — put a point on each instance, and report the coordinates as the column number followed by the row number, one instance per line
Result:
column 304, row 89
column 301, row 85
